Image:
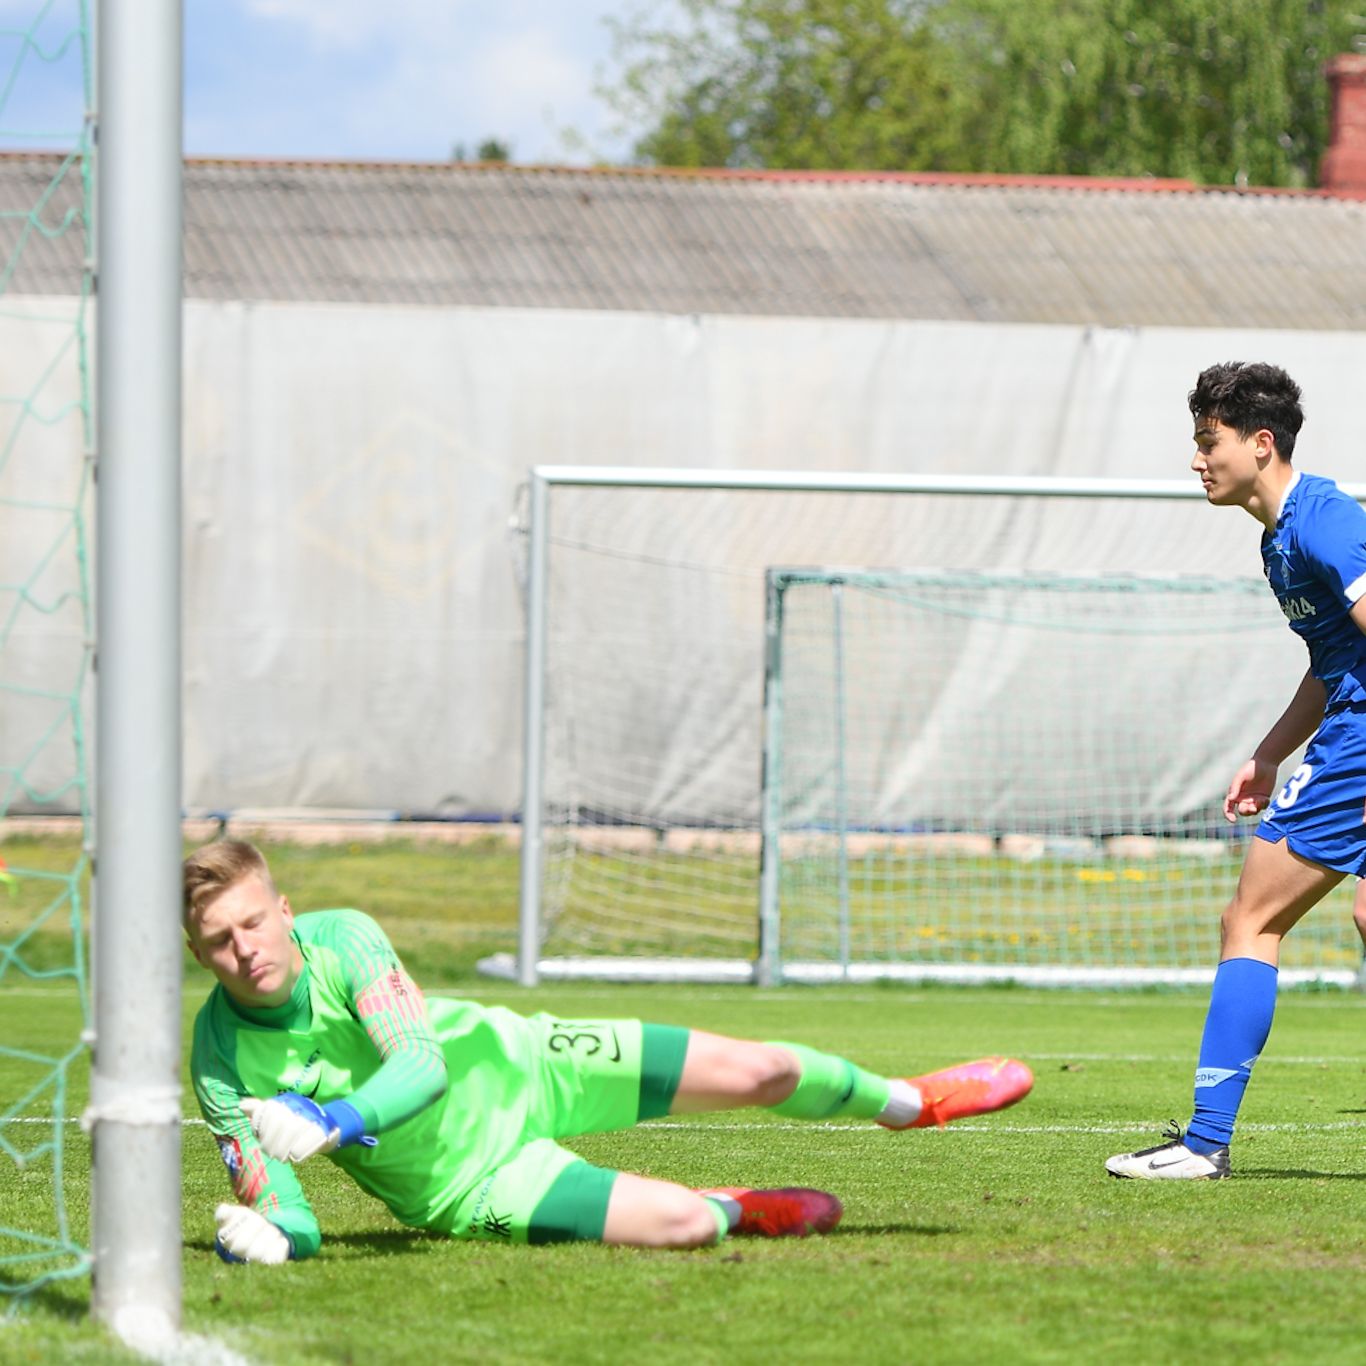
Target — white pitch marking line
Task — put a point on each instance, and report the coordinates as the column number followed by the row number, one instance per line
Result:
column 962, row 1128
column 1322, row 1060
column 697, row 1126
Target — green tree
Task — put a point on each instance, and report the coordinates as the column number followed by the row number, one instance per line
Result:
column 490, row 149
column 1216, row 91
column 788, row 84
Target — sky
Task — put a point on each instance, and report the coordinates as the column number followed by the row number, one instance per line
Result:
column 353, row 79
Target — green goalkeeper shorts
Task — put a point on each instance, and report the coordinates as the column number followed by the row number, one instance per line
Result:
column 592, row 1077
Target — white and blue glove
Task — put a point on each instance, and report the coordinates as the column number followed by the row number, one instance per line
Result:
column 245, row 1236
column 292, row 1128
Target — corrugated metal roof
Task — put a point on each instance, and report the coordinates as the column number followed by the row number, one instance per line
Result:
column 969, row 248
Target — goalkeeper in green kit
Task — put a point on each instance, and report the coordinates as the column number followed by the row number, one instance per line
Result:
column 316, row 1041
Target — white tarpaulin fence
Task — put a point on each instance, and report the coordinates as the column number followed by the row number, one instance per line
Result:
column 354, row 626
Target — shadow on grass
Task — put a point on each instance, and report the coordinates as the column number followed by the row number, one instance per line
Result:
column 1297, row 1174
column 393, row 1242
column 386, row 1241
column 68, row 1300
column 879, row 1230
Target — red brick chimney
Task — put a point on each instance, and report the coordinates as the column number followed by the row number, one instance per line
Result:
column 1343, row 169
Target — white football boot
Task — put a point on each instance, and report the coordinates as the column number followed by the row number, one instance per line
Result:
column 1170, row 1161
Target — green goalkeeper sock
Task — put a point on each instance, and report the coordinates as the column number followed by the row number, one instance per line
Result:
column 831, row 1086
column 725, row 1210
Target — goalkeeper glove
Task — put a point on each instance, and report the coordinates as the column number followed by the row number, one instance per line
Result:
column 245, row 1236
column 291, row 1127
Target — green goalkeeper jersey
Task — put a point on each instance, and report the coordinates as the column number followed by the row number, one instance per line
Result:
column 442, row 1086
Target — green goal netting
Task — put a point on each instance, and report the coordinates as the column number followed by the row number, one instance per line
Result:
column 45, row 634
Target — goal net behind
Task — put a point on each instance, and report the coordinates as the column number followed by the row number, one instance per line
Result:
column 1003, row 759
column 1010, row 775
column 46, row 629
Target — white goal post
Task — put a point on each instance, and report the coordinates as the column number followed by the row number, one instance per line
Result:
column 978, row 753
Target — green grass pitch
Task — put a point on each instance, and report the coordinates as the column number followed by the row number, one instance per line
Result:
column 997, row 1239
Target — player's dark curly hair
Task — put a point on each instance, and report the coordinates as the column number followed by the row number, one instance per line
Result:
column 1250, row 396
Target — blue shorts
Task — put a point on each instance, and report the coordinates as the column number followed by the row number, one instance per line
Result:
column 1319, row 809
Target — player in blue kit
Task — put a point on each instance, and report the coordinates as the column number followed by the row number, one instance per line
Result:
column 1312, row 835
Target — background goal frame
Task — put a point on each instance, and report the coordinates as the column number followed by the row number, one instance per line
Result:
column 530, row 965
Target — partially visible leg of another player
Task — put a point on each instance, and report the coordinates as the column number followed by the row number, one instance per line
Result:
column 1275, row 890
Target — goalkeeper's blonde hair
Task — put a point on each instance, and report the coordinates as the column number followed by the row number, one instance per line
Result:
column 213, row 868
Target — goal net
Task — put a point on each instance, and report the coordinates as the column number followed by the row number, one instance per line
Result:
column 1007, row 775
column 1004, row 759
column 45, row 651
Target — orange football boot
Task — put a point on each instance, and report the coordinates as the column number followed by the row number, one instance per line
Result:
column 971, row 1088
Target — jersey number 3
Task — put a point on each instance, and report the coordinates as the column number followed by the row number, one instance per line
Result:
column 1294, row 785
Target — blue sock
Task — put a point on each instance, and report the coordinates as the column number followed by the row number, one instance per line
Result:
column 1241, row 1007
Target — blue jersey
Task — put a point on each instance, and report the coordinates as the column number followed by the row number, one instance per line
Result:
column 1315, row 562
